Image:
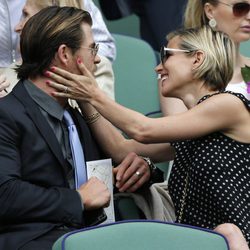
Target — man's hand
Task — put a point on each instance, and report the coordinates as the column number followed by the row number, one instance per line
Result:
column 94, row 194
column 4, row 83
column 132, row 173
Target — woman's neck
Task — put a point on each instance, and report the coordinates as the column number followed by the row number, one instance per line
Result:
column 191, row 98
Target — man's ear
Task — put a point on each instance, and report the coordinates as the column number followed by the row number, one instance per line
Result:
column 209, row 10
column 63, row 54
column 199, row 58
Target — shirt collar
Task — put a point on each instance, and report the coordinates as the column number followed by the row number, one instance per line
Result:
column 46, row 102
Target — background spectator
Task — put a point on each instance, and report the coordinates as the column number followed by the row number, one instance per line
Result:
column 10, row 14
column 224, row 18
column 157, row 17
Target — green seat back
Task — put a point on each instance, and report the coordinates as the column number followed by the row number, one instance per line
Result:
column 135, row 78
column 245, row 48
column 126, row 209
column 128, row 25
column 142, row 235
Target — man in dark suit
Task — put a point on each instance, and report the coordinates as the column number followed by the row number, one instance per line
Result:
column 38, row 199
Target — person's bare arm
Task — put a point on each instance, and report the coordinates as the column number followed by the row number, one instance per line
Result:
column 209, row 116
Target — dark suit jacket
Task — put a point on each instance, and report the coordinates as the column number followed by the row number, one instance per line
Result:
column 34, row 192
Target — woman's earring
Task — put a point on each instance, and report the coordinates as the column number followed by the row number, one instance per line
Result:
column 212, row 23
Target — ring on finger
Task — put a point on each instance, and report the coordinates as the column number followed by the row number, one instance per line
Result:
column 138, row 173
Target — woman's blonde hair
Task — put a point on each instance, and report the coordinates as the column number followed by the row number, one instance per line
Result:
column 41, row 4
column 194, row 15
column 217, row 67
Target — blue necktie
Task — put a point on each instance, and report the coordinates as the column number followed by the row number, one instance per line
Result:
column 76, row 150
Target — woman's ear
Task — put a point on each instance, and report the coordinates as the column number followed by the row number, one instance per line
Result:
column 63, row 54
column 209, row 10
column 199, row 58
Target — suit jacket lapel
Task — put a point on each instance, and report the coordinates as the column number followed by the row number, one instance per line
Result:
column 43, row 126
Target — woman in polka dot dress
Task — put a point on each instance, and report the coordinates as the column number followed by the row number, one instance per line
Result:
column 210, row 178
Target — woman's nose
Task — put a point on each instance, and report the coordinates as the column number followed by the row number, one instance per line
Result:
column 158, row 68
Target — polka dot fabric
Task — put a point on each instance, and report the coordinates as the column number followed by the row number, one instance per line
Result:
column 219, row 180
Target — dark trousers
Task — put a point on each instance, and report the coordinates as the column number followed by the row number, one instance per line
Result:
column 158, row 18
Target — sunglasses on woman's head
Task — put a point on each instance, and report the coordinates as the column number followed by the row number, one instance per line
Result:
column 239, row 9
column 165, row 53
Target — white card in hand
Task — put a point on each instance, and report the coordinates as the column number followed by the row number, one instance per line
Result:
column 102, row 169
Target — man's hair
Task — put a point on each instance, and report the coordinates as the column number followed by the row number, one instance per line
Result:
column 217, row 67
column 45, row 32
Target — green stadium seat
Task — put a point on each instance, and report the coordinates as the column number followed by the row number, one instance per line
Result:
column 142, row 235
column 245, row 48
